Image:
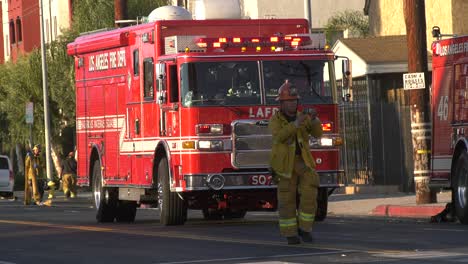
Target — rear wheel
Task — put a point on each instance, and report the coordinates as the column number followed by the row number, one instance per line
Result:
column 171, row 207
column 322, row 204
column 104, row 198
column 460, row 191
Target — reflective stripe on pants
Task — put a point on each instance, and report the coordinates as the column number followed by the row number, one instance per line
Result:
column 304, row 182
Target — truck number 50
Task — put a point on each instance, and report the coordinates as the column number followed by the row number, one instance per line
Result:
column 260, row 180
column 442, row 109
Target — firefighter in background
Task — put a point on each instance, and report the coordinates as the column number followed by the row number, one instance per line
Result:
column 293, row 167
column 69, row 175
column 34, row 177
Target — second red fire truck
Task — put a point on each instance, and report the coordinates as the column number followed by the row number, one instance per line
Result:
column 450, row 119
column 174, row 113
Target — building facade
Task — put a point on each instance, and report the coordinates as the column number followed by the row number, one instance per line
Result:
column 386, row 17
column 21, row 25
column 23, row 21
column 5, row 36
column 2, row 55
column 321, row 11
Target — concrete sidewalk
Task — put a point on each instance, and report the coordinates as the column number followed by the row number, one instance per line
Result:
column 385, row 204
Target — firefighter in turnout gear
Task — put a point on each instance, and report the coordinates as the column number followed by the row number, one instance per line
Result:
column 69, row 176
column 34, row 177
column 293, row 166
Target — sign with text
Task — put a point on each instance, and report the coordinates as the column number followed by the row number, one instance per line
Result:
column 412, row 81
column 29, row 112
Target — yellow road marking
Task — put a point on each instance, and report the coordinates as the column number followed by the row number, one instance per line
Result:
column 31, row 233
column 167, row 235
column 180, row 235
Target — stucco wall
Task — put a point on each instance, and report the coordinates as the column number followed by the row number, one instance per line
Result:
column 460, row 18
column 386, row 17
column 56, row 17
column 62, row 11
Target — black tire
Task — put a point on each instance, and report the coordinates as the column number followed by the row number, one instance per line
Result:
column 104, row 198
column 322, row 204
column 172, row 208
column 126, row 211
column 460, row 191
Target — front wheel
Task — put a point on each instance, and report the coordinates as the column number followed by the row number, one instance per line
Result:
column 459, row 191
column 172, row 208
column 104, row 198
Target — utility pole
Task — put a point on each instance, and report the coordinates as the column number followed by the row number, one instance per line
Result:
column 45, row 94
column 415, row 20
column 308, row 13
column 120, row 10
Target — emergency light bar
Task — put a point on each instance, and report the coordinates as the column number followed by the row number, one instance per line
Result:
column 174, row 44
column 274, row 41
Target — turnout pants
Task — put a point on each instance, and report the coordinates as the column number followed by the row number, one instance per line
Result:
column 32, row 188
column 69, row 185
column 303, row 182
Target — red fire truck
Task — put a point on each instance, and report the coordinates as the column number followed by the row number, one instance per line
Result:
column 174, row 113
column 449, row 161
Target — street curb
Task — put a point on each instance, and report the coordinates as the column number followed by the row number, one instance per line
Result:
column 406, row 211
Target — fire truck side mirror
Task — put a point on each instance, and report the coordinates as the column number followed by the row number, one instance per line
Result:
column 347, row 79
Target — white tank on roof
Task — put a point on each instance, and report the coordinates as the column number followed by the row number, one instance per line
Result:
column 217, row 9
column 169, row 13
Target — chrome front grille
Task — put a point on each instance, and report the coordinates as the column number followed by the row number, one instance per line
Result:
column 251, row 144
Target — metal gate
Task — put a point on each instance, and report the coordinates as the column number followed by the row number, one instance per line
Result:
column 354, row 120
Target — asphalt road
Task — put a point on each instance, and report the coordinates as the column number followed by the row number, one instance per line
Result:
column 68, row 233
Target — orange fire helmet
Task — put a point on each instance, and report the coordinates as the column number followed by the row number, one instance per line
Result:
column 287, row 91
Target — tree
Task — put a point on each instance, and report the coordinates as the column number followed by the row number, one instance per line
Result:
column 141, row 8
column 354, row 21
column 89, row 15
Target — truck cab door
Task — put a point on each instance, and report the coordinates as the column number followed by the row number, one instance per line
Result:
column 161, row 96
column 168, row 98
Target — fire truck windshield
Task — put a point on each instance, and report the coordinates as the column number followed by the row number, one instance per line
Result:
column 311, row 78
column 237, row 83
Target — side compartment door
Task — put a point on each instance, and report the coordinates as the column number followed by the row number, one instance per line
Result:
column 442, row 105
column 132, row 99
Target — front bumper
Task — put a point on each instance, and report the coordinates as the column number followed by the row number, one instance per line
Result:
column 251, row 180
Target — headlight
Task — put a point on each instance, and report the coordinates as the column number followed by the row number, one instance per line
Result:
column 210, row 145
column 326, row 142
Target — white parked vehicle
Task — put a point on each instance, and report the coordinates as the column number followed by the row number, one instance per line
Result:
column 7, row 179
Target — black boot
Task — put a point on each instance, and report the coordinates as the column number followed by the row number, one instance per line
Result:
column 306, row 236
column 293, row 240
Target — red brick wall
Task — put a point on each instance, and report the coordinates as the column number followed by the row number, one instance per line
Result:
column 28, row 12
